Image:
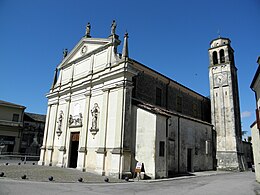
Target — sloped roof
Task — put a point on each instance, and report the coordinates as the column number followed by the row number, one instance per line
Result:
column 256, row 74
column 9, row 104
column 34, row 117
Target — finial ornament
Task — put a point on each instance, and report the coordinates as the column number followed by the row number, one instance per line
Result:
column 55, row 78
column 125, row 47
column 126, row 34
column 88, row 27
column 113, row 28
column 65, row 53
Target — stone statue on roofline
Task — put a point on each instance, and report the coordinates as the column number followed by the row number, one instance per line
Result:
column 88, row 27
column 113, row 28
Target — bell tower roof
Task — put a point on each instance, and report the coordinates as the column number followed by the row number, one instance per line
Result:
column 220, row 41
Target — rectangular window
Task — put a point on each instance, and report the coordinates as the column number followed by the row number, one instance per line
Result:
column 15, row 117
column 195, row 110
column 161, row 148
column 179, row 104
column 257, row 118
column 207, row 147
column 134, row 91
column 158, row 96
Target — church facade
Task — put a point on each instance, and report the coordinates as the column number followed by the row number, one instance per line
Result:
column 106, row 112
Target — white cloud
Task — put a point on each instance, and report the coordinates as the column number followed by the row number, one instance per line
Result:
column 246, row 114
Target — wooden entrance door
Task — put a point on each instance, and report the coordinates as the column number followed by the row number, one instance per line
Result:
column 74, row 144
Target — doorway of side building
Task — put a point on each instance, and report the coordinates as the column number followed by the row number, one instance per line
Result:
column 189, row 160
column 74, row 145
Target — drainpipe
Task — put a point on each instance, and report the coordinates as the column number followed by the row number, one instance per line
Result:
column 179, row 144
column 167, row 129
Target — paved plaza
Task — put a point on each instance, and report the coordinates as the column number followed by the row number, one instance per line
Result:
column 65, row 183
column 39, row 173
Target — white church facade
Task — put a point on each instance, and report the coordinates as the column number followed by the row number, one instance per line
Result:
column 106, row 112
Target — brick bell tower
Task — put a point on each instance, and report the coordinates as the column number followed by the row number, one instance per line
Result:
column 225, row 110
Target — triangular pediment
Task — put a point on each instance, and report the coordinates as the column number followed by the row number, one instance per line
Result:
column 84, row 47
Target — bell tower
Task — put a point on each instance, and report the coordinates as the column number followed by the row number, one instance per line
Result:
column 225, row 110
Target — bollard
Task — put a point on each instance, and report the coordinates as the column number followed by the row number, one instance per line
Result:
column 50, row 178
column 80, row 179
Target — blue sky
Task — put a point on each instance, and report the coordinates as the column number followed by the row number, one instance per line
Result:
column 170, row 36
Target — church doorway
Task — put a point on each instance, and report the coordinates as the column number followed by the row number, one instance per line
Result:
column 189, row 160
column 74, row 144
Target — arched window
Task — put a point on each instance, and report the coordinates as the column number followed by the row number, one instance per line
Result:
column 215, row 57
column 222, row 56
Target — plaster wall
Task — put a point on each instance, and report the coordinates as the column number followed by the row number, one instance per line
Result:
column 160, row 160
column 145, row 147
column 256, row 145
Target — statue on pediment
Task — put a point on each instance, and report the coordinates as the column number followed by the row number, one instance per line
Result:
column 113, row 28
column 88, row 27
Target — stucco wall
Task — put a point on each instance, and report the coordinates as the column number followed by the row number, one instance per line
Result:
column 178, row 134
column 145, row 146
column 256, row 145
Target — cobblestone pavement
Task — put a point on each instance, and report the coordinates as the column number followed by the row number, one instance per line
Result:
column 42, row 174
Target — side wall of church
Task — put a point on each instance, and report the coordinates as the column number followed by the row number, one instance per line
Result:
column 173, row 97
column 145, row 139
column 187, row 144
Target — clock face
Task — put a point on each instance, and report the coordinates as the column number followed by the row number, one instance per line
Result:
column 220, row 79
column 84, row 50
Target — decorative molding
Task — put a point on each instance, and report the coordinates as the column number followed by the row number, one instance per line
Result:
column 101, row 151
column 82, row 150
column 87, row 93
column 116, row 151
column 62, row 149
column 43, row 148
column 105, row 89
column 68, row 98
column 49, row 148
column 53, row 103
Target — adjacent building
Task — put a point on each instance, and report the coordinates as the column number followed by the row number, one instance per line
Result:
column 11, row 124
column 20, row 132
column 255, row 127
column 32, row 133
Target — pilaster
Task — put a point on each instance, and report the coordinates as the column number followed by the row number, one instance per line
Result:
column 62, row 159
column 45, row 135
column 101, row 151
column 84, row 134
